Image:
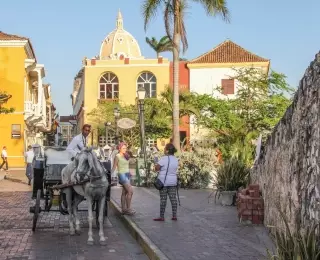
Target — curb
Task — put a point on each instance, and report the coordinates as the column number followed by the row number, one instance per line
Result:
column 150, row 249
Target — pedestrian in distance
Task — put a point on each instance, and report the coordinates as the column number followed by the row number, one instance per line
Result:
column 4, row 157
column 29, row 155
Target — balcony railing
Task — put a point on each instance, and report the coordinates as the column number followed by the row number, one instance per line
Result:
column 29, row 107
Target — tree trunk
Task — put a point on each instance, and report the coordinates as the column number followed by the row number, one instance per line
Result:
column 176, row 50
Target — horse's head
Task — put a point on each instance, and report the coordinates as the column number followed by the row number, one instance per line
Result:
column 87, row 163
column 84, row 162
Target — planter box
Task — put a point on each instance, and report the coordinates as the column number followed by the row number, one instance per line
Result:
column 227, row 198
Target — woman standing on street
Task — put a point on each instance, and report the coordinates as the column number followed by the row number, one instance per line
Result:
column 121, row 163
column 167, row 168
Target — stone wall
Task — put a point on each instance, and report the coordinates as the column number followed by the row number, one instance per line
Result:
column 287, row 169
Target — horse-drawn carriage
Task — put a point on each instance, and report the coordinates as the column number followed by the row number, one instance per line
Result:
column 48, row 185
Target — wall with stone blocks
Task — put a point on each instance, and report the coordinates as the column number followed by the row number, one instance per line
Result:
column 287, row 169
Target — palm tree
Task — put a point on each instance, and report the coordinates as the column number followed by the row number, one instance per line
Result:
column 165, row 44
column 174, row 13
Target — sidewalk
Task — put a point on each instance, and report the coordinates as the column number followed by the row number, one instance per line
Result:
column 203, row 230
column 16, row 175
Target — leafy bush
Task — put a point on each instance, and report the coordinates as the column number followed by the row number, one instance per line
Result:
column 231, row 175
column 197, row 167
column 300, row 245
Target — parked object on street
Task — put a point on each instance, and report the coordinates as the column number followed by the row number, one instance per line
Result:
column 72, row 187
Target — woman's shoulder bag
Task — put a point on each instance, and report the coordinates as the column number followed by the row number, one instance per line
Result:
column 158, row 183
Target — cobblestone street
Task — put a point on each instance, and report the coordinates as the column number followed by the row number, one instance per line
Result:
column 51, row 239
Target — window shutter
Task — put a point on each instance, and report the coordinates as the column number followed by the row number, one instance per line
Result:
column 227, row 86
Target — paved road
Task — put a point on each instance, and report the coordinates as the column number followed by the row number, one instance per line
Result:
column 51, row 240
column 203, row 230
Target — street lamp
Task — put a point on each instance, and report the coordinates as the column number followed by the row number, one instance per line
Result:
column 107, row 124
column 141, row 93
column 116, row 113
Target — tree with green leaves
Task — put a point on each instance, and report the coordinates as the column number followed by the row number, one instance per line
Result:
column 259, row 103
column 174, row 14
column 4, row 97
column 156, row 125
column 163, row 45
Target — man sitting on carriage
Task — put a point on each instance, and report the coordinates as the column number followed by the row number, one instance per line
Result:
column 78, row 143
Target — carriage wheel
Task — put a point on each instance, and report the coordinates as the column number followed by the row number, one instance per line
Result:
column 63, row 206
column 37, row 210
column 48, row 199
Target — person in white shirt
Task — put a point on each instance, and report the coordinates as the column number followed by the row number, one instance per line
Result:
column 29, row 156
column 79, row 141
column 4, row 157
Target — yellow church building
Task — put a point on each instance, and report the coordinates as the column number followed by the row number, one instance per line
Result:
column 116, row 73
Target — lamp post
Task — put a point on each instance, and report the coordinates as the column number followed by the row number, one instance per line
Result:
column 107, row 124
column 116, row 113
column 141, row 93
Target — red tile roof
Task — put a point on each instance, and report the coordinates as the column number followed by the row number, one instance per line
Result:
column 11, row 37
column 228, row 52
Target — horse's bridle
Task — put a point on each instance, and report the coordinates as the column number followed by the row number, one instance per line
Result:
column 88, row 173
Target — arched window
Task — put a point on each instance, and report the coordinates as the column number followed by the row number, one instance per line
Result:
column 109, row 86
column 149, row 81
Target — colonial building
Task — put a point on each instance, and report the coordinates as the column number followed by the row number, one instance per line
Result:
column 215, row 69
column 116, row 73
column 21, row 77
column 66, row 129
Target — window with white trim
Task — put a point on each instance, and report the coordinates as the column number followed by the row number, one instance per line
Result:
column 149, row 81
column 109, row 86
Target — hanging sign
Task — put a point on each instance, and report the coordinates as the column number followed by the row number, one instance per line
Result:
column 126, row 123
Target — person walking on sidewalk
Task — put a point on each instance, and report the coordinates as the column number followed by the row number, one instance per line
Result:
column 167, row 167
column 4, row 157
column 29, row 159
column 121, row 163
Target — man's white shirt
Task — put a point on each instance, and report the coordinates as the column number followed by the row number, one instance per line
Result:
column 29, row 156
column 4, row 154
column 77, row 144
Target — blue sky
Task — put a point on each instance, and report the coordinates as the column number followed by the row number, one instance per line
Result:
column 63, row 32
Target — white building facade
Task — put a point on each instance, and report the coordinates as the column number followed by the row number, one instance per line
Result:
column 212, row 72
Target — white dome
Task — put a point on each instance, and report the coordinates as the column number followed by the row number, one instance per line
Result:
column 119, row 44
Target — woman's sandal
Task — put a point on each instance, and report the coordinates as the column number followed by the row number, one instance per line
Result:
column 130, row 212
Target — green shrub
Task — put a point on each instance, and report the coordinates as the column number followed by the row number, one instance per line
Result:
column 231, row 175
column 297, row 246
column 196, row 168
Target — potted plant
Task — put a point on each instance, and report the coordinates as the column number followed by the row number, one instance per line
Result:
column 230, row 176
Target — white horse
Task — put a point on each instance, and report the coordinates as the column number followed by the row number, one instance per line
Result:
column 85, row 167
